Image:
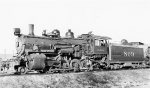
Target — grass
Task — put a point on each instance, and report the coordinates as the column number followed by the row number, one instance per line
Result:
column 91, row 79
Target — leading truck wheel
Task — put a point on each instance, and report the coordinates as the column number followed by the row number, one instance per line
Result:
column 75, row 65
column 22, row 70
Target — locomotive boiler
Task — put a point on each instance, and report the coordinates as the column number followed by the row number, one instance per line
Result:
column 53, row 53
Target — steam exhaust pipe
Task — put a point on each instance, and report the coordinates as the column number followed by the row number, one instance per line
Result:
column 31, row 29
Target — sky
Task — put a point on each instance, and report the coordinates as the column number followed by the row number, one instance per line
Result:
column 118, row 19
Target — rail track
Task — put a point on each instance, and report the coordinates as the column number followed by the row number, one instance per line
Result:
column 70, row 72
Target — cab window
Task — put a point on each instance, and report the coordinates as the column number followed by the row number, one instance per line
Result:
column 96, row 42
column 99, row 42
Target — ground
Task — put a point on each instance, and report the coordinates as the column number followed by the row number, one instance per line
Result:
column 109, row 79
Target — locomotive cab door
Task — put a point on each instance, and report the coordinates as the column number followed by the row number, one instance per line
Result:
column 101, row 46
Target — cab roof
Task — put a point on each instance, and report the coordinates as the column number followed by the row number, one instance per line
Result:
column 101, row 37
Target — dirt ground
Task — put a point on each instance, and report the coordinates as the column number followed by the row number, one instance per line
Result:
column 110, row 79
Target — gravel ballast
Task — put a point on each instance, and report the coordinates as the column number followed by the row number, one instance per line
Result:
column 109, row 79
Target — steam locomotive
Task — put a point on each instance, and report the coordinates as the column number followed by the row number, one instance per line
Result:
column 52, row 53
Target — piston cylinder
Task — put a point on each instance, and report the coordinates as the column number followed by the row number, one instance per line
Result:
column 36, row 61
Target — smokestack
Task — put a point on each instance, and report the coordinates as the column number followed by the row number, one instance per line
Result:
column 17, row 31
column 31, row 29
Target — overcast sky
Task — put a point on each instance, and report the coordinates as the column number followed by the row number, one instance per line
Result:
column 118, row 19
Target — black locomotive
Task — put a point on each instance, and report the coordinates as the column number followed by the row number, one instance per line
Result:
column 53, row 53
